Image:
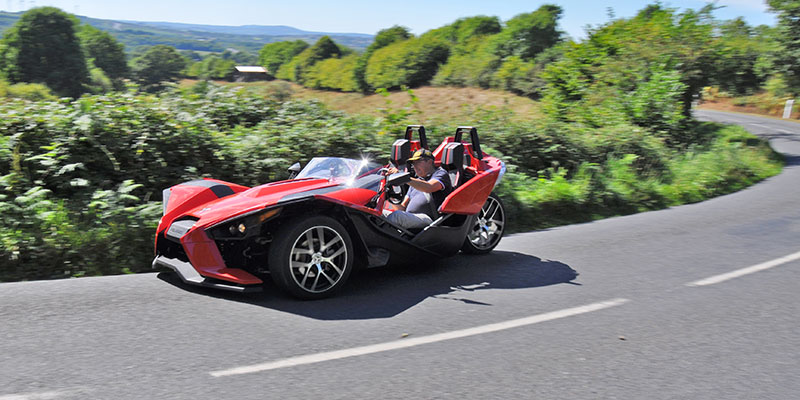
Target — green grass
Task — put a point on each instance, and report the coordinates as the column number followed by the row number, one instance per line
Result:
column 733, row 159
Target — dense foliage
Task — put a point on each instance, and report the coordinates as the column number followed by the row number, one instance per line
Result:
column 789, row 37
column 514, row 55
column 467, row 52
column 383, row 38
column 273, row 55
column 211, row 67
column 81, row 180
column 411, row 62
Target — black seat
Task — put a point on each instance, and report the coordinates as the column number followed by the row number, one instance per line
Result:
column 401, row 152
column 453, row 162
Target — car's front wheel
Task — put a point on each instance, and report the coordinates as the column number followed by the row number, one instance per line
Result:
column 487, row 229
column 311, row 257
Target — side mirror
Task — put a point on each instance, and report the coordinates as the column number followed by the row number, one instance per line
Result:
column 294, row 170
column 398, row 179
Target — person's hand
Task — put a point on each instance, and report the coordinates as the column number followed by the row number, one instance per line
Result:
column 391, row 170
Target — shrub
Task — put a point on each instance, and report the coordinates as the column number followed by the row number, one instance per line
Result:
column 99, row 82
column 273, row 55
column 470, row 64
column 408, row 63
column 333, row 73
column 26, row 91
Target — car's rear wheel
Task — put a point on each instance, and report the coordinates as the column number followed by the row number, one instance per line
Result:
column 488, row 228
column 311, row 257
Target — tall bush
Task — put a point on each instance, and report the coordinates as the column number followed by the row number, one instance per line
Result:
column 412, row 63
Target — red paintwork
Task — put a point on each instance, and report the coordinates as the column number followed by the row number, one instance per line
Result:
column 205, row 258
column 349, row 204
column 253, row 199
column 211, row 210
column 469, row 197
column 187, row 197
column 350, row 196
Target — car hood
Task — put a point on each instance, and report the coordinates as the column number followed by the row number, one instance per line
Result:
column 257, row 198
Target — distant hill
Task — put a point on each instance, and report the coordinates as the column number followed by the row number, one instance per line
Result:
column 251, row 30
column 136, row 35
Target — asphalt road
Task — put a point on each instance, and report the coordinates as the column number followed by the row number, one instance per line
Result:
column 511, row 324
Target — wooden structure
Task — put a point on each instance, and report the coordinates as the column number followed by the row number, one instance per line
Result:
column 250, row 73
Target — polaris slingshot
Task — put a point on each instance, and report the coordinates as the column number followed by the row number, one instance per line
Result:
column 309, row 232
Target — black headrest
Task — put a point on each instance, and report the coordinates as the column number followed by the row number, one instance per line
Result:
column 453, row 156
column 401, row 152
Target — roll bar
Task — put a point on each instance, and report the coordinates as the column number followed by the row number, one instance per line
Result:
column 473, row 137
column 423, row 140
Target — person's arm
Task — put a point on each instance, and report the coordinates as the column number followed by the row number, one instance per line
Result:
column 429, row 186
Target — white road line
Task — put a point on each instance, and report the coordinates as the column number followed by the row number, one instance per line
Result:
column 36, row 396
column 405, row 343
column 760, row 126
column 746, row 271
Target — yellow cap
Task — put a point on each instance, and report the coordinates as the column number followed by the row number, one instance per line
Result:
column 421, row 153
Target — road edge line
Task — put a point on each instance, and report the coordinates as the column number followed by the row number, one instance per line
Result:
column 745, row 271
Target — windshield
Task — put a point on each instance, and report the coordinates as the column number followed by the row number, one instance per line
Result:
column 338, row 169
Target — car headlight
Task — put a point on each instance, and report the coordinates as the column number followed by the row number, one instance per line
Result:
column 242, row 225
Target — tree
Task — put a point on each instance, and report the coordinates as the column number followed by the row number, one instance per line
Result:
column 789, row 24
column 104, row 51
column 464, row 29
column 160, row 63
column 412, row 63
column 638, row 70
column 527, row 35
column 472, row 60
column 323, row 49
column 212, row 67
column 739, row 52
column 333, row 73
column 383, row 38
column 273, row 55
column 43, row 47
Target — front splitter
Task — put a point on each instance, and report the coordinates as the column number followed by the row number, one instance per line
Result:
column 189, row 275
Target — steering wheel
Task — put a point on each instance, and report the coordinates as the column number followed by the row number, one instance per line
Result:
column 396, row 194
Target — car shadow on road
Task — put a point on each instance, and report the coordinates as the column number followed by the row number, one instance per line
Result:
column 386, row 292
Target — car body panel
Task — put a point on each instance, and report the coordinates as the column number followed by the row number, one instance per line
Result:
column 205, row 257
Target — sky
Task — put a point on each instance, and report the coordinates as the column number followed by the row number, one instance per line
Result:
column 370, row 16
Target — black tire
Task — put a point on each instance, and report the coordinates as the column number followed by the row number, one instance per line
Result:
column 305, row 251
column 488, row 228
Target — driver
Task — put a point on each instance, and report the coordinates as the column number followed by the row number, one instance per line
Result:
column 426, row 193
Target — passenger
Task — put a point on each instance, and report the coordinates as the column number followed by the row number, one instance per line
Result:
column 426, row 193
